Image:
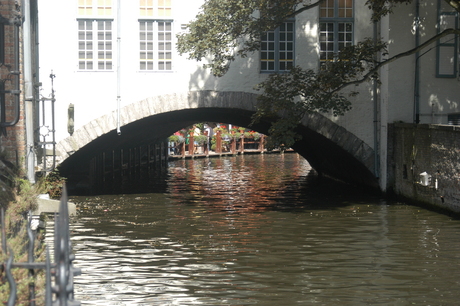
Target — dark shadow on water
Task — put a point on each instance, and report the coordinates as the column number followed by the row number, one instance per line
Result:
column 313, row 192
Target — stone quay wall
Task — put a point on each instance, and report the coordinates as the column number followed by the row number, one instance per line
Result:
column 424, row 164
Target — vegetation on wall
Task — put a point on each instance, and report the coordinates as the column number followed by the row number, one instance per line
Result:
column 18, row 197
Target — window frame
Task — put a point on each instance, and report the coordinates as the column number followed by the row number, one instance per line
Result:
column 95, row 9
column 95, row 41
column 156, row 19
column 156, row 9
column 336, row 22
column 155, row 47
column 447, row 44
column 277, row 49
column 88, row 11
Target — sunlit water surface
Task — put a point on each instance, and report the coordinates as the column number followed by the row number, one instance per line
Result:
column 261, row 230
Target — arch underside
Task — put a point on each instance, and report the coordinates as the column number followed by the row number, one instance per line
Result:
column 329, row 148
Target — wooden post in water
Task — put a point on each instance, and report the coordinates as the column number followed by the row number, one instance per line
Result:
column 206, row 144
column 182, row 149
column 191, row 144
column 218, row 142
column 120, row 176
column 233, row 145
column 262, row 144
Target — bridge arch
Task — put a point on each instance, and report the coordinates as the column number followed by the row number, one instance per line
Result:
column 328, row 147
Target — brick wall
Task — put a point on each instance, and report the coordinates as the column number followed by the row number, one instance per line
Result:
column 434, row 149
column 13, row 144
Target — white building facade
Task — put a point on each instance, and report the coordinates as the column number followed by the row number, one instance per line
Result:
column 109, row 53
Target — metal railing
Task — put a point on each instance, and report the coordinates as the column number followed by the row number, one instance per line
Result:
column 59, row 287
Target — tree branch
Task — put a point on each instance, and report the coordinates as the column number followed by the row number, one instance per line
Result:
column 305, row 8
column 371, row 72
column 455, row 4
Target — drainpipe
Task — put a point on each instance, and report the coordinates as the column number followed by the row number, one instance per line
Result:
column 118, row 65
column 417, row 65
column 376, row 115
column 16, row 73
column 28, row 92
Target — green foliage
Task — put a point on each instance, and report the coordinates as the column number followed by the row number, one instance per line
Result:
column 286, row 98
column 176, row 138
column 18, row 243
column 24, row 200
column 54, row 183
column 201, row 139
column 381, row 8
column 19, row 196
column 256, row 136
column 227, row 29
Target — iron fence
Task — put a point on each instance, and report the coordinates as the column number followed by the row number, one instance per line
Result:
column 59, row 287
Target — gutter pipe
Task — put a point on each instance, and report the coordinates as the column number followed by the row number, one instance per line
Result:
column 417, row 65
column 17, row 22
column 29, row 91
column 118, row 65
column 376, row 115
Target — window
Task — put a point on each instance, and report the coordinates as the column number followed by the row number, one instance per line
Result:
column 95, row 7
column 155, row 45
column 95, row 45
column 335, row 27
column 155, row 35
column 95, row 37
column 447, row 47
column 155, row 8
column 277, row 49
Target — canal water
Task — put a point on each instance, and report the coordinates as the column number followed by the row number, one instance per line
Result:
column 261, row 230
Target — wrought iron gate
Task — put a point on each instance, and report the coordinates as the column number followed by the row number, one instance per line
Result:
column 59, row 288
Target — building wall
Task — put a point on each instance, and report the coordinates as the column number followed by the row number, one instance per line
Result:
column 12, row 139
column 95, row 93
column 434, row 149
column 438, row 96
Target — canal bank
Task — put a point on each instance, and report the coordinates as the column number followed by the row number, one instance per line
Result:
column 424, row 164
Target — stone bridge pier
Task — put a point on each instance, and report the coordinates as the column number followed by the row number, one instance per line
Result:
column 328, row 147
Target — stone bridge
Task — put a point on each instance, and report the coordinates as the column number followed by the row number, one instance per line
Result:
column 328, row 147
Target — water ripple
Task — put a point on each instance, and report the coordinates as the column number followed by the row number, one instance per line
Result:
column 261, row 230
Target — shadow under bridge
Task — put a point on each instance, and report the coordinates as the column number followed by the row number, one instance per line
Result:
column 328, row 147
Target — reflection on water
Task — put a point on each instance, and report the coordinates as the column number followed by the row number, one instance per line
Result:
column 260, row 229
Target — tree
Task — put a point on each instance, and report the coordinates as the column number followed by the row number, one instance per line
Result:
column 227, row 29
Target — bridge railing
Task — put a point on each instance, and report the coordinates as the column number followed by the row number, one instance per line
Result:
column 218, row 144
column 59, row 286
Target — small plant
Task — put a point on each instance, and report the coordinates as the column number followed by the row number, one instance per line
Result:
column 226, row 137
column 201, row 139
column 23, row 199
column 173, row 138
column 176, row 138
column 54, row 183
